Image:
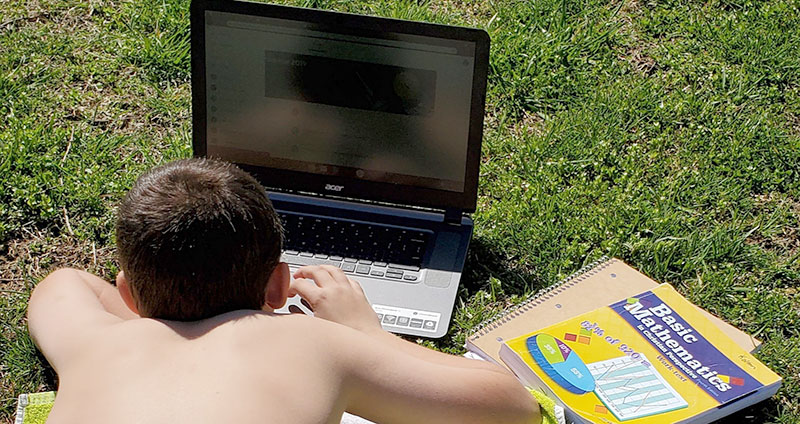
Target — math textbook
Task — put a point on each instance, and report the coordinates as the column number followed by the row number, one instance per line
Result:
column 650, row 358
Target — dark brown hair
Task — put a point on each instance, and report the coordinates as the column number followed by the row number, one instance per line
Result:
column 197, row 238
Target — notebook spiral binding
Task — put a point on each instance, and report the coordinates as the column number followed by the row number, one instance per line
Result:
column 574, row 278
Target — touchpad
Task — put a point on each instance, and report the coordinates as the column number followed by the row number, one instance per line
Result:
column 436, row 278
column 439, row 272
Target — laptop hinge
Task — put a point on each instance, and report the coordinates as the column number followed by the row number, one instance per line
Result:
column 453, row 216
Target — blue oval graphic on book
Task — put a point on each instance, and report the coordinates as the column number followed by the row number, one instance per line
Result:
column 560, row 363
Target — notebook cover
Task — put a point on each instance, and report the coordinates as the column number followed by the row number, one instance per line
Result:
column 599, row 284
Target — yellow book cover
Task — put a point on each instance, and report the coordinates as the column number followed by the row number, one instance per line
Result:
column 651, row 358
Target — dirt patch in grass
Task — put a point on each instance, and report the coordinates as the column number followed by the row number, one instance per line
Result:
column 25, row 261
column 786, row 243
column 636, row 52
column 794, row 124
column 639, row 60
column 529, row 124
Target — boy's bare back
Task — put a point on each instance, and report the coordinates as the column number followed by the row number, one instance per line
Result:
column 254, row 366
column 188, row 335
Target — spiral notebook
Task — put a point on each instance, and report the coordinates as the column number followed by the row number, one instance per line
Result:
column 598, row 284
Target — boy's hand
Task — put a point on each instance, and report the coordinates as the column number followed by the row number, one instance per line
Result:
column 335, row 297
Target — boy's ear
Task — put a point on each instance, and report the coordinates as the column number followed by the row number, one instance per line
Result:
column 125, row 292
column 278, row 286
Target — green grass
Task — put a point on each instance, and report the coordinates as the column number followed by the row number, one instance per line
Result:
column 666, row 133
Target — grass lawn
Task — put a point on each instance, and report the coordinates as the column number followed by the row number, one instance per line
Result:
column 662, row 132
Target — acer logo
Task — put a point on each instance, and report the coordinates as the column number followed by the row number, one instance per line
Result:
column 333, row 187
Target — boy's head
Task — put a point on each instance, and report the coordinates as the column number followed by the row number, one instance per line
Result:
column 197, row 238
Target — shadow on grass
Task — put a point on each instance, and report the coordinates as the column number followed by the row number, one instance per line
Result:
column 486, row 260
column 49, row 376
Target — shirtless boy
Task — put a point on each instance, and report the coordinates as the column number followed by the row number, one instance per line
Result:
column 188, row 334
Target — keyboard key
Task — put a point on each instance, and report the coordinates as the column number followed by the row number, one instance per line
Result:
column 362, row 269
column 389, row 319
column 364, row 262
column 291, row 252
column 307, row 254
column 302, row 261
column 394, row 275
column 415, row 323
column 429, row 325
column 410, row 277
column 376, row 273
column 380, row 264
column 402, row 321
column 405, row 267
column 350, row 260
column 348, row 267
column 335, row 258
column 320, row 256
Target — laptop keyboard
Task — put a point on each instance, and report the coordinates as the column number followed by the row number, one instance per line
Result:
column 357, row 248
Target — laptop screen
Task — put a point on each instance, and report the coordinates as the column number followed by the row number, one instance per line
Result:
column 372, row 106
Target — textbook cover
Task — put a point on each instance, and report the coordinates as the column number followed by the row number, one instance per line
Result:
column 650, row 358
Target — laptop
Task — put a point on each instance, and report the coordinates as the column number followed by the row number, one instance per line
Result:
column 365, row 131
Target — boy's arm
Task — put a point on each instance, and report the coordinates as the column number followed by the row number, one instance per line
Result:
column 393, row 381
column 67, row 305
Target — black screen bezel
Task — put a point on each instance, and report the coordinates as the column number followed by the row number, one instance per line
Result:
column 295, row 181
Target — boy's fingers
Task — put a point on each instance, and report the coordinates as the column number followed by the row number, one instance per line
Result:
column 336, row 273
column 304, row 271
column 307, row 289
column 320, row 276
